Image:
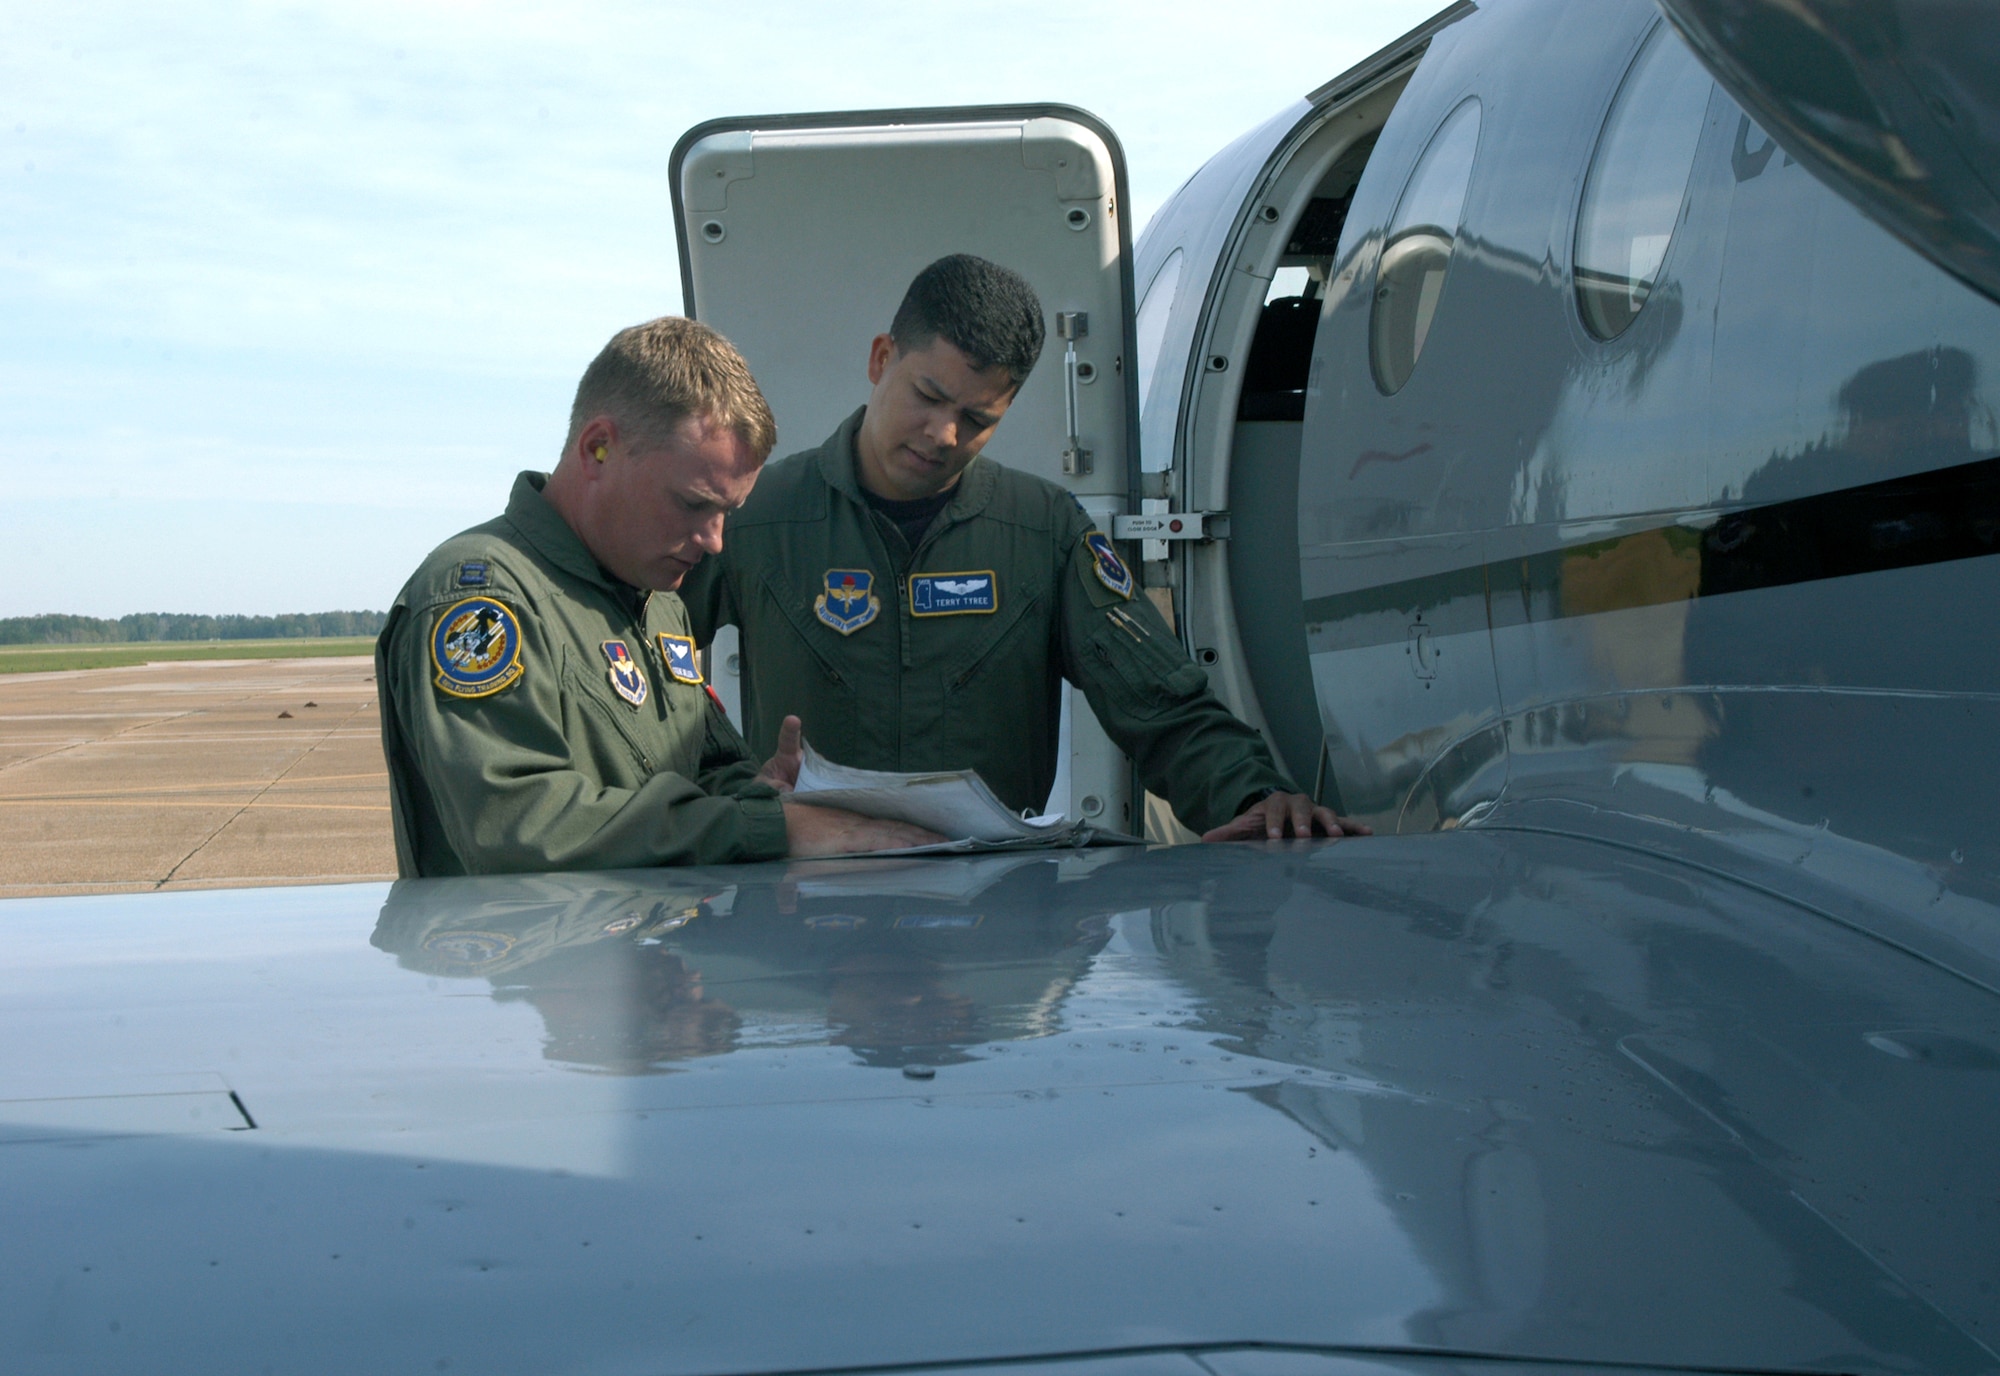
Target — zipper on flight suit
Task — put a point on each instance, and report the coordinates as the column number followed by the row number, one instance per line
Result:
column 1013, row 622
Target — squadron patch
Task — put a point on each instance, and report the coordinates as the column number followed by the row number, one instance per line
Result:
column 476, row 647
column 467, row 950
column 849, row 602
column 1111, row 570
column 954, row 594
column 678, row 652
column 628, row 680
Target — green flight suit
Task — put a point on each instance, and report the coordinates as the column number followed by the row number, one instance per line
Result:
column 883, row 683
column 516, row 741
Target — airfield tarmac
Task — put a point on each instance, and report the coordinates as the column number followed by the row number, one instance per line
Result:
column 187, row 776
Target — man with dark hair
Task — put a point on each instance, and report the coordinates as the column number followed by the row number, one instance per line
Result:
column 919, row 605
column 990, row 313
column 542, row 706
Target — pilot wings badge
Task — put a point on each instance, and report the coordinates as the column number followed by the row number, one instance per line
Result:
column 678, row 652
column 849, row 602
column 476, row 648
column 627, row 680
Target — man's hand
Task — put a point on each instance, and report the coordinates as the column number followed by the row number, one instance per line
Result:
column 781, row 771
column 1282, row 815
column 835, row 831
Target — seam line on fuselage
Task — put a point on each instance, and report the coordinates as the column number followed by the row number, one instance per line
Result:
column 1790, row 900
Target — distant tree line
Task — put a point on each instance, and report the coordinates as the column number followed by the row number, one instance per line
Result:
column 91, row 630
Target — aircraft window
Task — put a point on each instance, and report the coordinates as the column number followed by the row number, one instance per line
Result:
column 1410, row 282
column 1637, row 182
column 1288, row 282
column 1154, row 308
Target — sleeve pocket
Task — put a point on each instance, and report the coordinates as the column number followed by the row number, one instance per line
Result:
column 1152, row 682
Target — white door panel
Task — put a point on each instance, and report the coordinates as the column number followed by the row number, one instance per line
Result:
column 800, row 242
column 799, row 234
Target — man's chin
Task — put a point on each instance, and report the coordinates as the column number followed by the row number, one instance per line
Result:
column 923, row 477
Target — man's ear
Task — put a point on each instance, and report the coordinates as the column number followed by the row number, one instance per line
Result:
column 880, row 354
column 594, row 443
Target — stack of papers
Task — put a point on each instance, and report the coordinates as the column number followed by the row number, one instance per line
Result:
column 956, row 804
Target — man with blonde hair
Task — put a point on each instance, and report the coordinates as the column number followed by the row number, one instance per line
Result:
column 542, row 705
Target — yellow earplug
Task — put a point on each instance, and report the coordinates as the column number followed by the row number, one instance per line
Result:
column 598, row 453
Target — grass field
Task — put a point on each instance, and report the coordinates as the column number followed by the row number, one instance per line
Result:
column 36, row 659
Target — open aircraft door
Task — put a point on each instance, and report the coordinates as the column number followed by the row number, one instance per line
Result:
column 798, row 235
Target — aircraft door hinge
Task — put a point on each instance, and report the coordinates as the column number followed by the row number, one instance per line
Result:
column 1172, row 525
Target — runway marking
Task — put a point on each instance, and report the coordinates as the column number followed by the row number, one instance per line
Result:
column 230, row 820
column 73, row 716
column 64, row 887
column 205, row 739
column 161, row 719
column 89, row 793
column 124, row 740
column 211, row 807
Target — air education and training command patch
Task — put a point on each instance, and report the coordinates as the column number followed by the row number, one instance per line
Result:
column 954, row 594
column 628, row 681
column 476, row 647
column 1111, row 570
column 678, row 652
column 849, row 602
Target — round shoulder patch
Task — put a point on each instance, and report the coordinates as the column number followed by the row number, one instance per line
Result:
column 476, row 647
column 467, row 950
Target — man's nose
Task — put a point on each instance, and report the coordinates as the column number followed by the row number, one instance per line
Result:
column 942, row 429
column 708, row 535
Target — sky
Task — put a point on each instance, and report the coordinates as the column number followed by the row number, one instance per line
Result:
column 289, row 292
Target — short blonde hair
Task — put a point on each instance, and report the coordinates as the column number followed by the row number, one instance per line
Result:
column 653, row 376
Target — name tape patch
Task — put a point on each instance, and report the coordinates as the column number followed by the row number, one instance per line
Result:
column 476, row 648
column 678, row 652
column 954, row 594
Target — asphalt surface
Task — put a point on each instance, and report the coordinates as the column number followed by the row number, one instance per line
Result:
column 190, row 776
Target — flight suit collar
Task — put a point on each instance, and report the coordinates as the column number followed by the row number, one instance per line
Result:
column 542, row 526
column 837, row 459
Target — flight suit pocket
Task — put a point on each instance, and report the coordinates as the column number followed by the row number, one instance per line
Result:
column 807, row 629
column 1151, row 681
column 606, row 720
column 1002, row 641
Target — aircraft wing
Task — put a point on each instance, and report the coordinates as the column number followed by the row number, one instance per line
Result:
column 1891, row 102
column 1339, row 1110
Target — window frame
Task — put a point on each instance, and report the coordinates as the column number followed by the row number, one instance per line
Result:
column 1390, row 237
column 1573, row 221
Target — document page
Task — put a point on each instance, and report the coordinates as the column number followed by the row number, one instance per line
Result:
column 956, row 804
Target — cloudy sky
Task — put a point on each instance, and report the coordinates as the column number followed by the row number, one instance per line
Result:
column 288, row 292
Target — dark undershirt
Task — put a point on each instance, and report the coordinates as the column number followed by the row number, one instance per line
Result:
column 911, row 518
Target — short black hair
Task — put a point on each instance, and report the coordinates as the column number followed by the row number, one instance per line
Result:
column 989, row 313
